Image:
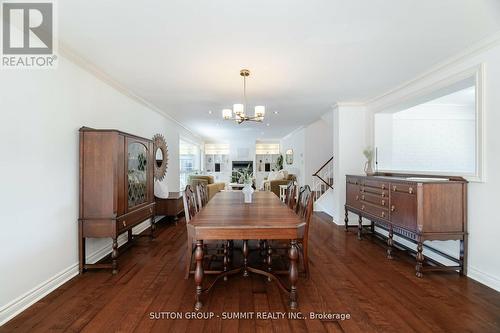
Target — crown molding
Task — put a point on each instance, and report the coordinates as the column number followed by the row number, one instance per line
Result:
column 479, row 47
column 348, row 104
column 91, row 68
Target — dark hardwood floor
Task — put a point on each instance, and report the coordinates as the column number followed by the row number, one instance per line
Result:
column 347, row 276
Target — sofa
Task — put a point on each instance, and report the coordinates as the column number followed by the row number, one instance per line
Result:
column 212, row 187
column 275, row 179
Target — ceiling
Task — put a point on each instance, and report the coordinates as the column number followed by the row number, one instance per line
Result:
column 184, row 56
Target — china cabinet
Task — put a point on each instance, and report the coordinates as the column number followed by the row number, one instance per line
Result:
column 116, row 188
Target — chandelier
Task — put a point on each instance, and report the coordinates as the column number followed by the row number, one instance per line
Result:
column 238, row 112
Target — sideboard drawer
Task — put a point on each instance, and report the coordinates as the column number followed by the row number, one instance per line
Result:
column 375, row 210
column 375, row 199
column 376, row 184
column 374, row 190
column 404, row 188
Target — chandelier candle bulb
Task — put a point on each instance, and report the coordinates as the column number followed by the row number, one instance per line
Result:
column 260, row 111
column 227, row 113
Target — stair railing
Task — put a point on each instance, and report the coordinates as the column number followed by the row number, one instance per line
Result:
column 323, row 179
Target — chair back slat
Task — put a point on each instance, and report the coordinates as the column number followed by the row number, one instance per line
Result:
column 305, row 194
column 290, row 194
column 202, row 194
column 190, row 205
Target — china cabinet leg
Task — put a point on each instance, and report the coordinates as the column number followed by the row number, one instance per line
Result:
column 114, row 255
column 81, row 248
column 463, row 256
column 390, row 243
column 420, row 259
column 198, row 274
column 245, row 258
column 346, row 220
column 360, row 227
column 293, row 255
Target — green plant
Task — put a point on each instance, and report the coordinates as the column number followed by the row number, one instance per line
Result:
column 368, row 152
column 279, row 163
column 245, row 176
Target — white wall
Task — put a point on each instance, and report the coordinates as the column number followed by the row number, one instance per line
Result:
column 484, row 228
column 41, row 112
column 312, row 147
column 349, row 140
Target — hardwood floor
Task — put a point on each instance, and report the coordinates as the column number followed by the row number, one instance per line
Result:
column 347, row 276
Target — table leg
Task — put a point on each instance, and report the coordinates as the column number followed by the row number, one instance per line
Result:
column 198, row 274
column 245, row 258
column 226, row 257
column 293, row 255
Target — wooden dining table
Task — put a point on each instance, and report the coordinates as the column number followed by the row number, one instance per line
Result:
column 228, row 217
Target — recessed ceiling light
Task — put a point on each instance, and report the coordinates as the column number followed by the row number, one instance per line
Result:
column 276, row 112
column 209, row 111
column 268, row 124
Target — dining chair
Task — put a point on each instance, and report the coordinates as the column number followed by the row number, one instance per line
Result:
column 202, row 195
column 192, row 205
column 304, row 209
column 290, row 194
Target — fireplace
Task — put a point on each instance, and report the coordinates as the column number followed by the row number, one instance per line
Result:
column 241, row 165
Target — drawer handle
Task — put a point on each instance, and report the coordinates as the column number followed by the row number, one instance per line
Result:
column 393, row 208
column 394, row 188
column 383, row 202
column 383, row 214
column 363, row 197
column 150, row 210
column 410, row 190
column 383, row 187
column 383, row 195
column 124, row 223
column 357, row 197
column 363, row 207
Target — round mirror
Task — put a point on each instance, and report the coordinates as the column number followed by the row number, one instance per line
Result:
column 161, row 156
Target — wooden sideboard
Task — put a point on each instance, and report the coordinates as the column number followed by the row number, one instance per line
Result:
column 415, row 207
column 171, row 206
column 116, row 188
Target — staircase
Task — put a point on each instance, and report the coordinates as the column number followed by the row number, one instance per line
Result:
column 322, row 179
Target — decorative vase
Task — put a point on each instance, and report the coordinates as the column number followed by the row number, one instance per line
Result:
column 247, row 192
column 368, row 168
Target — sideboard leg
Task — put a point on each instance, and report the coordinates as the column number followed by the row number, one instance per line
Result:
column 346, row 221
column 269, row 259
column 293, row 255
column 463, row 256
column 245, row 258
column 390, row 243
column 360, row 227
column 198, row 274
column 420, row 259
column 114, row 255
column 372, row 227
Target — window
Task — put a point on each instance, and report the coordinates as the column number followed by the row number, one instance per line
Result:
column 440, row 134
column 189, row 160
column 267, row 148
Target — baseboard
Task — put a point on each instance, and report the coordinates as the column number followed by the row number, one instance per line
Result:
column 18, row 305
column 484, row 278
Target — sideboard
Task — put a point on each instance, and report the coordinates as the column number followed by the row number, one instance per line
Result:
column 116, row 188
column 170, row 207
column 415, row 207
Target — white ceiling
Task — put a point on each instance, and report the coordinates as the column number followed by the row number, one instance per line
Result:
column 185, row 56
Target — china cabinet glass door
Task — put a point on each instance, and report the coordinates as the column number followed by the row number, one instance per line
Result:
column 137, row 174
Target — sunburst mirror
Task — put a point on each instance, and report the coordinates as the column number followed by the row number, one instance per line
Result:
column 161, row 156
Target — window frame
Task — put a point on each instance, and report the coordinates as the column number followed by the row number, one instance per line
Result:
column 477, row 75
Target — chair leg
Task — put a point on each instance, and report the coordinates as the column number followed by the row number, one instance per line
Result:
column 305, row 259
column 189, row 257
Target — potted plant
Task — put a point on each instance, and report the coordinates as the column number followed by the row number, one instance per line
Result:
column 246, row 177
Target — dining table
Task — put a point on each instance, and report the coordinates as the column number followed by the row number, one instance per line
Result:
column 227, row 217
